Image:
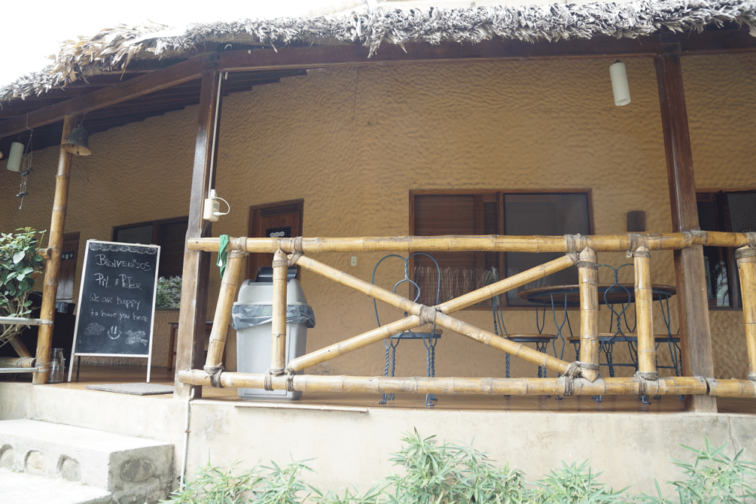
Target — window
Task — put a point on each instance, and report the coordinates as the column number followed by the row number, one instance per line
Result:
column 733, row 211
column 170, row 234
column 438, row 213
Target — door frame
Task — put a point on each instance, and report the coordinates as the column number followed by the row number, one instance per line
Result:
column 255, row 211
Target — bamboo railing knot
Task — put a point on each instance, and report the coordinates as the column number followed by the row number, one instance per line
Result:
column 428, row 314
column 744, row 252
column 290, row 382
column 751, row 235
column 642, row 253
column 238, row 247
column 752, row 377
column 568, row 378
column 280, row 263
column 645, row 383
column 587, row 264
column 296, row 250
column 215, row 375
column 634, row 241
column 575, row 243
column 268, row 381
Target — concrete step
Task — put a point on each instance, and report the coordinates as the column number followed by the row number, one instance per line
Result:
column 21, row 488
column 130, row 469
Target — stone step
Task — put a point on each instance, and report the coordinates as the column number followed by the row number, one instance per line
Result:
column 131, row 469
column 20, row 488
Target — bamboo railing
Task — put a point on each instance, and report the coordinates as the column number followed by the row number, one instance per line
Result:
column 579, row 378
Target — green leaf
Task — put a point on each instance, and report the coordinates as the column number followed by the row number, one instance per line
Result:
column 18, row 256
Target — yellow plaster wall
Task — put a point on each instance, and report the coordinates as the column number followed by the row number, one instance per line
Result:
column 353, row 142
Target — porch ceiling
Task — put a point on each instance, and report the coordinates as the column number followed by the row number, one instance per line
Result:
column 104, row 98
column 134, row 110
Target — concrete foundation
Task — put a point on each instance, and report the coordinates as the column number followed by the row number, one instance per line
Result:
column 352, row 446
column 127, row 468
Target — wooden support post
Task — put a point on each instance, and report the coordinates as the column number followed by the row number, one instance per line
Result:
column 689, row 263
column 746, row 257
column 52, row 267
column 589, row 308
column 644, row 306
column 222, row 319
column 191, row 337
column 278, row 325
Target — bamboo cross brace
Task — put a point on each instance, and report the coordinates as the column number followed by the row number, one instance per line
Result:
column 676, row 385
column 415, row 309
column 746, row 258
column 229, row 285
column 644, row 305
column 492, row 243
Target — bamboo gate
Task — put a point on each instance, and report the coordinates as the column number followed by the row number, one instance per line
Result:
column 579, row 378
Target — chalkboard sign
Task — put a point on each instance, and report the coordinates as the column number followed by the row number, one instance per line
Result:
column 117, row 300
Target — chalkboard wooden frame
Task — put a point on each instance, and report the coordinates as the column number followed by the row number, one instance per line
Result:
column 101, row 301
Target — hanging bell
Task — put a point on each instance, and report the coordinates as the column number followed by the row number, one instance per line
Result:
column 78, row 142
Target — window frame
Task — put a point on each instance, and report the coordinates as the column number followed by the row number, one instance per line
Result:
column 156, row 225
column 484, row 196
column 718, row 196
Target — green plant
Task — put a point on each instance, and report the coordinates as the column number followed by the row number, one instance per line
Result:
column 282, row 484
column 574, row 484
column 168, row 294
column 711, row 478
column 212, row 485
column 436, row 474
column 19, row 264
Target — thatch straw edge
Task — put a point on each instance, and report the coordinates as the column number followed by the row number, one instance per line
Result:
column 112, row 49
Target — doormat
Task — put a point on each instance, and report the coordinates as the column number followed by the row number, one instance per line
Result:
column 133, row 388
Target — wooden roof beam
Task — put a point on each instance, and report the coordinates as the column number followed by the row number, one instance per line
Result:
column 127, row 90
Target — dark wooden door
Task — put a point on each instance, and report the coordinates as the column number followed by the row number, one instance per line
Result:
column 283, row 219
column 68, row 256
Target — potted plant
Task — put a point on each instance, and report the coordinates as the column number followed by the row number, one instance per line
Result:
column 168, row 294
column 19, row 264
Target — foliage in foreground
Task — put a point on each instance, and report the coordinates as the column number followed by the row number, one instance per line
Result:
column 440, row 474
column 19, row 263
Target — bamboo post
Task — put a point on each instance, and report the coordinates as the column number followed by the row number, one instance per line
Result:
column 677, row 385
column 229, row 285
column 52, row 268
column 644, row 306
column 746, row 258
column 589, row 308
column 278, row 325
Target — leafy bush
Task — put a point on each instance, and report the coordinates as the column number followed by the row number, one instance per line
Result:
column 446, row 474
column 19, row 264
column 168, row 294
column 712, row 477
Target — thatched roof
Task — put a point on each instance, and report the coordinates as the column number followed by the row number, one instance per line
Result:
column 113, row 49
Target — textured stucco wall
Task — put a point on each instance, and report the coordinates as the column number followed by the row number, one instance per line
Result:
column 353, row 142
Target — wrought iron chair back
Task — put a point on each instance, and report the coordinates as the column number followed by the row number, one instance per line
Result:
column 429, row 339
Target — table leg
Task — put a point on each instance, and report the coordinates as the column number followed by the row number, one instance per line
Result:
column 171, row 346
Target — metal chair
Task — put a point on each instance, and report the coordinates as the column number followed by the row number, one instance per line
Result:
column 430, row 339
column 540, row 339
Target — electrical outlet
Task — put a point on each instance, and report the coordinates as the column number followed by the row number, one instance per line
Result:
column 354, row 261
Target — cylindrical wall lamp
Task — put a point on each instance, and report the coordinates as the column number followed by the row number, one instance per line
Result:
column 16, row 154
column 620, row 88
